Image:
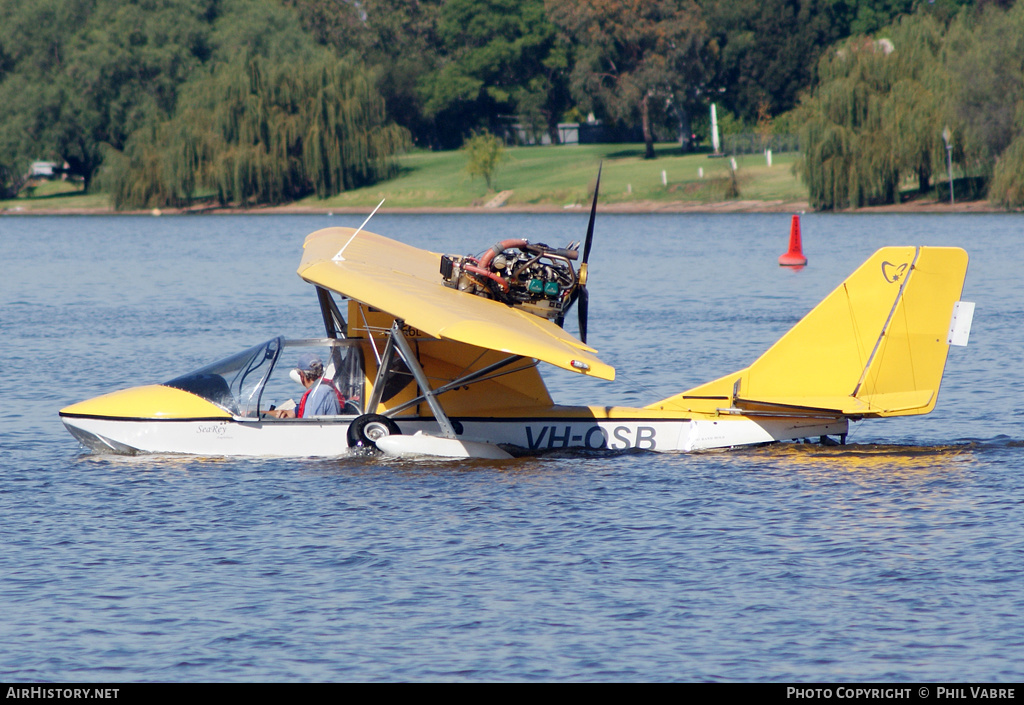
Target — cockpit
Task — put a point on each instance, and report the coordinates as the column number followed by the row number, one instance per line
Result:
column 258, row 380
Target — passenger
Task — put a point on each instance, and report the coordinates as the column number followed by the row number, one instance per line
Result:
column 322, row 398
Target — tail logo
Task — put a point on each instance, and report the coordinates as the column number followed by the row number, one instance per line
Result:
column 893, row 273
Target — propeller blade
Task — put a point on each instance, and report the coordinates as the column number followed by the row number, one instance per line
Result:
column 593, row 215
column 583, row 304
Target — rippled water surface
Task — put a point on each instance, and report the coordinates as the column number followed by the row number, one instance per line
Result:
column 897, row 557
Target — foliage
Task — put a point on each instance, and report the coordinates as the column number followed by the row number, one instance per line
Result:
column 764, row 127
column 396, row 37
column 129, row 85
column 869, row 16
column 257, row 132
column 449, row 66
column 80, row 77
column 986, row 59
column 1007, row 189
column 634, row 57
column 729, row 124
column 12, row 179
column 767, row 49
column 877, row 114
column 82, row 74
column 484, row 153
column 496, row 57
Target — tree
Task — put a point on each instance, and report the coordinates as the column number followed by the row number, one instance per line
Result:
column 398, row 38
column 87, row 74
column 917, row 111
column 262, row 132
column 767, row 49
column 877, row 115
column 81, row 76
column 497, row 57
column 633, row 57
column 872, row 15
column 484, row 152
column 987, row 63
column 34, row 43
column 986, row 60
column 1007, row 189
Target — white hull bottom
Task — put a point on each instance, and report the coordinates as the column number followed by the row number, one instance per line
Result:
column 328, row 437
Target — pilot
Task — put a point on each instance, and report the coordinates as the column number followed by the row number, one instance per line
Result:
column 322, row 397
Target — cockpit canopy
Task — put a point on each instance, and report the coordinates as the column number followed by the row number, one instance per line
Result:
column 252, row 382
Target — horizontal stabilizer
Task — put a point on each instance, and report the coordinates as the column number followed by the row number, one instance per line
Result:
column 869, row 404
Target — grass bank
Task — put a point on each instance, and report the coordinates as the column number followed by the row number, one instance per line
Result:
column 554, row 178
column 542, row 177
column 561, row 176
column 49, row 196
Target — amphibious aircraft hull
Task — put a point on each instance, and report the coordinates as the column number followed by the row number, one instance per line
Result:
column 327, row 437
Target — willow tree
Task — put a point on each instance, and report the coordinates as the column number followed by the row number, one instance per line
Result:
column 1007, row 187
column 876, row 115
column 986, row 59
column 262, row 133
column 160, row 166
column 917, row 109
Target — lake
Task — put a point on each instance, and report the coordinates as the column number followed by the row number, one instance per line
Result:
column 897, row 557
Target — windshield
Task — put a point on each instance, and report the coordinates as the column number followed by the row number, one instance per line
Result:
column 252, row 382
column 233, row 383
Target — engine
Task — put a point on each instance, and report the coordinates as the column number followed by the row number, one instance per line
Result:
column 530, row 276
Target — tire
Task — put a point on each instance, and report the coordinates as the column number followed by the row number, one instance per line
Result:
column 366, row 429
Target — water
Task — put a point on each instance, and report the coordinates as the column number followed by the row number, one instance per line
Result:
column 897, row 557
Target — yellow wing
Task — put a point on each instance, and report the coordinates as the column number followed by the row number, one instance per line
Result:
column 405, row 282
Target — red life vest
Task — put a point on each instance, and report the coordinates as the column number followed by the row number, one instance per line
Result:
column 323, row 380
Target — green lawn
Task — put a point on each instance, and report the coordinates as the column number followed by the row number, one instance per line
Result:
column 57, row 194
column 552, row 176
column 564, row 175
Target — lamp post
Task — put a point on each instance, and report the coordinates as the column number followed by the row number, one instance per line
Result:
column 949, row 160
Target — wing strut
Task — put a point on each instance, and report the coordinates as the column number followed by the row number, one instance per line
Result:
column 334, row 322
column 383, row 370
column 397, row 340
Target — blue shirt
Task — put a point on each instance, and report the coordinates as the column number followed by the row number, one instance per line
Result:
column 321, row 400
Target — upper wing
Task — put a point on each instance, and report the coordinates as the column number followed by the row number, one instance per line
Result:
column 405, row 282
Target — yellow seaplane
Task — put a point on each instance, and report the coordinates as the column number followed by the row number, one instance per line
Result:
column 439, row 355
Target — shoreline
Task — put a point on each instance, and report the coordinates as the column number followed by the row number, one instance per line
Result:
column 636, row 207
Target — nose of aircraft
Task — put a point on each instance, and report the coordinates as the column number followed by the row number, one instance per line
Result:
column 153, row 401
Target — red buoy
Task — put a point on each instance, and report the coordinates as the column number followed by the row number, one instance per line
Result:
column 795, row 256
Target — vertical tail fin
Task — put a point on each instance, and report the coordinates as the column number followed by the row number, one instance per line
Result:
column 876, row 346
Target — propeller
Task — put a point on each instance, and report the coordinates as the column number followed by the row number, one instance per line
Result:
column 583, row 304
column 584, row 297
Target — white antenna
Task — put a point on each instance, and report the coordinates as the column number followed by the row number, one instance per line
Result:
column 338, row 257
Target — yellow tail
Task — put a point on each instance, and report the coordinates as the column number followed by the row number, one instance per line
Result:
column 876, row 346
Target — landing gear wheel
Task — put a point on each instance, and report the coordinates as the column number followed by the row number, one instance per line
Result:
column 366, row 430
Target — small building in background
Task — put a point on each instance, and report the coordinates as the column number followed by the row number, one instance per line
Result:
column 42, row 170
